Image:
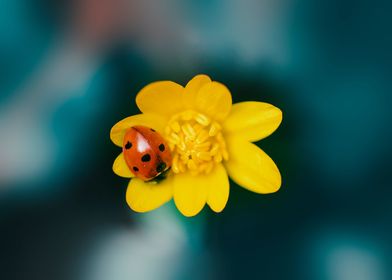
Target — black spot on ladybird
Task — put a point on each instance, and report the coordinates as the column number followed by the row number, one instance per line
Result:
column 128, row 145
column 135, row 169
column 161, row 147
column 161, row 166
column 146, row 158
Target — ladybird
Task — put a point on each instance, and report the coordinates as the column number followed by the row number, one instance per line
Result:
column 146, row 153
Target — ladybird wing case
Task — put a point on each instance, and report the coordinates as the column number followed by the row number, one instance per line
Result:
column 146, row 152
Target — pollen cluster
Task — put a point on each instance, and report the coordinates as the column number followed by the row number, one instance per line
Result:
column 196, row 142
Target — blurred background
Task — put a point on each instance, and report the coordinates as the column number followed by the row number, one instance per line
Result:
column 69, row 70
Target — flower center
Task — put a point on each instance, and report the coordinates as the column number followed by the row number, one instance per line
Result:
column 196, row 142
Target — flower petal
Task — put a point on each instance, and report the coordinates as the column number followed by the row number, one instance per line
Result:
column 160, row 98
column 253, row 121
column 192, row 88
column 192, row 192
column 197, row 82
column 146, row 196
column 219, row 189
column 251, row 168
column 150, row 120
column 213, row 99
column 120, row 167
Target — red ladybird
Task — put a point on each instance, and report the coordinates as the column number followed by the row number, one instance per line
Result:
column 146, row 153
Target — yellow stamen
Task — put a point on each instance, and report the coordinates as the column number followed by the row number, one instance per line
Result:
column 214, row 129
column 203, row 156
column 175, row 167
column 202, row 136
column 189, row 131
column 196, row 142
column 202, row 119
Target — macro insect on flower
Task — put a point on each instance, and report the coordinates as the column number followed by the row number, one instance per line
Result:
column 188, row 141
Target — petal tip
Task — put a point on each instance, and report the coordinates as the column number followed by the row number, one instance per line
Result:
column 202, row 76
column 120, row 168
column 187, row 212
column 113, row 136
column 251, row 168
column 143, row 197
column 280, row 116
column 217, row 210
column 159, row 97
column 253, row 120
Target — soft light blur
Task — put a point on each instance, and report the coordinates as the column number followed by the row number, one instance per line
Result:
column 71, row 69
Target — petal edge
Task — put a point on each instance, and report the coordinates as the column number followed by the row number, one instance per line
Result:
column 160, row 98
column 219, row 192
column 251, row 168
column 146, row 196
column 252, row 120
column 120, row 167
column 189, row 193
column 214, row 99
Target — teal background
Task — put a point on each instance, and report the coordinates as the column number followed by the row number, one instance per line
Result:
column 69, row 70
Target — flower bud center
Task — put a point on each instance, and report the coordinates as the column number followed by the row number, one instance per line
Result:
column 196, row 142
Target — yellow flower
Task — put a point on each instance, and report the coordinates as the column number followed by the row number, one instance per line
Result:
column 209, row 138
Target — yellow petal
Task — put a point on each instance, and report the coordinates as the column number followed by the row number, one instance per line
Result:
column 192, row 88
column 146, row 196
column 162, row 98
column 219, row 189
column 253, row 121
column 150, row 120
column 213, row 99
column 121, row 168
column 196, row 83
column 251, row 168
column 192, row 192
